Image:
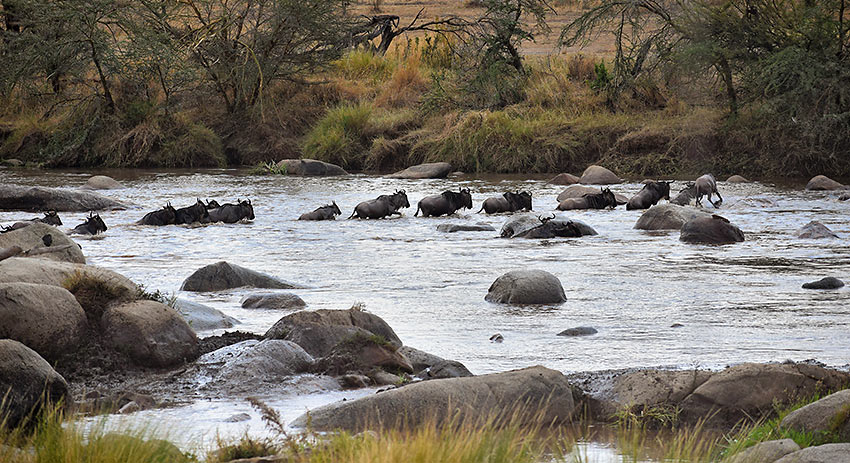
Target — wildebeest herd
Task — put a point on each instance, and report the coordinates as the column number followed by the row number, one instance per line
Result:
column 200, row 212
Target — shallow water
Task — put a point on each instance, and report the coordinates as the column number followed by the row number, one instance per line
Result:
column 737, row 303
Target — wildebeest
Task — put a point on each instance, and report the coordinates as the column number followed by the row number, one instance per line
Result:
column 328, row 212
column 706, row 185
column 605, row 198
column 165, row 216
column 212, row 204
column 445, row 203
column 191, row 214
column 92, row 226
column 508, row 202
column 50, row 218
column 381, row 206
column 550, row 227
column 231, row 213
column 651, row 193
column 685, row 195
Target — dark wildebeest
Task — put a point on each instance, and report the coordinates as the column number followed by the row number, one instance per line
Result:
column 445, row 203
column 685, row 195
column 605, row 198
column 92, row 226
column 165, row 216
column 50, row 218
column 328, row 212
column 212, row 204
column 232, row 213
column 381, row 206
column 194, row 213
column 651, row 193
column 508, row 202
column 706, row 185
column 564, row 228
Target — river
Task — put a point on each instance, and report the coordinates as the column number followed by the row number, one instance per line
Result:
column 737, row 303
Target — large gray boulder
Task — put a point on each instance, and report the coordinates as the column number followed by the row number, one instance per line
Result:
column 829, row 414
column 737, row 179
column 815, row 230
column 102, row 182
column 46, row 318
column 565, row 179
column 267, row 361
column 460, row 227
column 710, row 230
column 827, row 453
column 598, row 175
column 544, row 394
column 31, row 237
column 429, row 170
column 47, row 272
column 576, row 191
column 37, row 198
column 824, row 283
column 668, row 217
column 822, row 182
column 519, row 224
column 203, row 318
column 363, row 352
column 561, row 227
column 310, row 168
column 526, row 287
column 318, row 332
column 766, row 452
column 284, row 301
column 26, row 380
column 223, row 275
column 150, row 333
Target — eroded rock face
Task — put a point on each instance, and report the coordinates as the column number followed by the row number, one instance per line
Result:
column 668, row 217
column 815, row 230
column 45, row 318
column 311, row 168
column 822, row 416
column 32, row 237
column 36, row 198
column 710, row 230
column 766, row 452
column 429, row 170
column 598, row 175
column 150, row 333
column 223, row 275
column 25, row 379
column 526, row 287
column 822, row 182
column 470, row 399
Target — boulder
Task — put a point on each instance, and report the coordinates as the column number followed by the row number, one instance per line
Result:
column 765, row 452
column 579, row 331
column 829, row 414
column 362, row 352
column 827, row 453
column 37, row 198
column 223, row 275
column 445, row 369
column 420, row 360
column 822, row 182
column 824, row 283
column 318, row 332
column 737, row 179
column 753, row 390
column 815, row 230
column 544, row 394
column 150, row 333
column 457, row 227
column 430, row 170
column 46, row 318
column 285, row 301
column 668, row 217
column 25, row 380
column 565, row 179
column 310, row 168
column 267, row 361
column 598, row 175
column 46, row 272
column 844, row 197
column 710, row 230
column 562, row 227
column 519, row 224
column 577, row 191
column 32, row 237
column 102, row 182
column 12, row 162
column 526, row 287
column 202, row 318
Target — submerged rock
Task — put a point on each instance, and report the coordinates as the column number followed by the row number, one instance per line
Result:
column 102, row 182
column 564, row 179
column 526, row 287
column 560, row 227
column 457, row 227
column 269, row 360
column 815, row 230
column 824, row 283
column 668, row 217
column 710, row 230
column 26, row 380
column 310, row 168
column 519, row 224
column 579, row 331
column 202, row 318
column 223, row 275
column 429, row 170
column 822, row 182
column 36, row 198
column 285, row 301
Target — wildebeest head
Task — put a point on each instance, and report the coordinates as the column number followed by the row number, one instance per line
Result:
column 212, row 204
column 247, row 209
column 609, row 198
column 94, row 224
column 465, row 198
column 399, row 199
column 194, row 213
column 335, row 208
column 662, row 189
column 519, row 200
column 458, row 199
column 51, row 218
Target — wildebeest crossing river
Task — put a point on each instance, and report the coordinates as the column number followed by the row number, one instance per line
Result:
column 736, row 303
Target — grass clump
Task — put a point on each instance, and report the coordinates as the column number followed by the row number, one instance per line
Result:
column 364, row 64
column 339, row 137
column 94, row 294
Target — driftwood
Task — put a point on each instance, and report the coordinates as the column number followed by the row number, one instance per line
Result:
column 386, row 26
column 47, row 249
column 13, row 251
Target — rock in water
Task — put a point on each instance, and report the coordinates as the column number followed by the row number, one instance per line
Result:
column 579, row 331
column 668, row 217
column 517, row 225
column 598, row 175
column 564, row 179
column 285, row 301
column 430, row 170
column 815, row 230
column 526, row 287
column 824, row 283
column 710, row 230
column 25, row 380
column 203, row 318
column 270, row 360
column 33, row 236
column 456, row 227
column 310, row 168
column 737, row 179
column 36, row 198
column 223, row 275
column 151, row 333
column 822, row 182
column 102, row 182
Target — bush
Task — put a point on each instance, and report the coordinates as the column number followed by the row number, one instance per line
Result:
column 339, row 137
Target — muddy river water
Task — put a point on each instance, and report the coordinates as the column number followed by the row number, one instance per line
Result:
column 737, row 303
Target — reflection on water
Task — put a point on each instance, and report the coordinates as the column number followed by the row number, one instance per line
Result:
column 737, row 303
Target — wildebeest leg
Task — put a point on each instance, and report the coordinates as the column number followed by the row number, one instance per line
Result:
column 719, row 199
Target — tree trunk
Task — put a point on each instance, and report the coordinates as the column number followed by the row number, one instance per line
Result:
column 107, row 94
column 726, row 73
